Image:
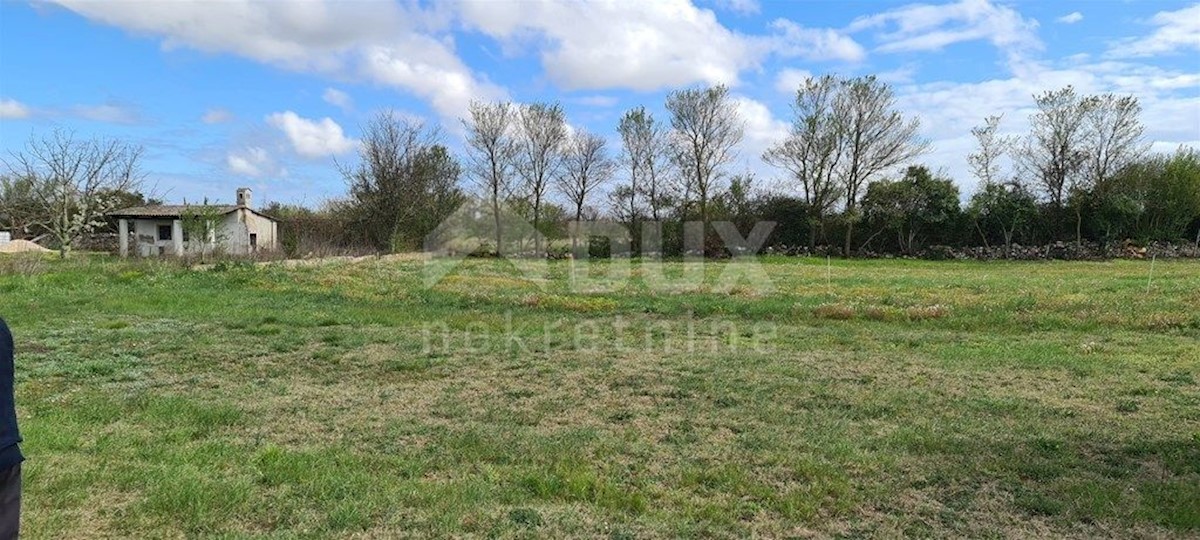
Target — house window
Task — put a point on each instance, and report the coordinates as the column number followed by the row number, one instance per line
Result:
column 164, row 232
column 253, row 242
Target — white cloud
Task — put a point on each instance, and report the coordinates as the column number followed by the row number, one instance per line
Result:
column 216, row 116
column 636, row 45
column 11, row 109
column 389, row 43
column 338, row 98
column 252, row 161
column 594, row 101
column 789, row 80
column 744, row 7
column 901, row 75
column 110, row 113
column 815, row 43
column 644, row 45
column 1070, row 18
column 1177, row 31
column 312, row 138
column 931, row 27
column 762, row 131
column 422, row 66
column 1171, row 108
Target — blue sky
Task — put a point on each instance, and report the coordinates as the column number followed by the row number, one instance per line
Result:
column 269, row 95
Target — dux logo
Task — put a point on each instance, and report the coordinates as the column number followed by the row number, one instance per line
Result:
column 477, row 227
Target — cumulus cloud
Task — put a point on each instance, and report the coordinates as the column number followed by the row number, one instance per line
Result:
column 11, row 109
column 429, row 70
column 931, row 27
column 253, row 161
column 794, row 40
column 312, row 138
column 389, row 43
column 216, row 116
column 1070, row 18
column 337, row 98
column 762, row 129
column 1176, row 32
column 789, row 80
column 645, row 45
column 637, row 45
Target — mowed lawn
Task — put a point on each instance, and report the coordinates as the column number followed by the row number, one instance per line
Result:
column 858, row 398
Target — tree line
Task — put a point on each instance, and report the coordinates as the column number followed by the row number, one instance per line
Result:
column 849, row 179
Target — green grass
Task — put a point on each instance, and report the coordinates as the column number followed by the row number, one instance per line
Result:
column 876, row 398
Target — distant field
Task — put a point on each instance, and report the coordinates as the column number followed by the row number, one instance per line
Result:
column 858, row 398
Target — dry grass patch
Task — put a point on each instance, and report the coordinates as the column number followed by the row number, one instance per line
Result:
column 837, row 312
column 882, row 313
column 924, row 313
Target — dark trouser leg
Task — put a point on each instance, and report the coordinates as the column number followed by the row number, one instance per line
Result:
column 10, row 502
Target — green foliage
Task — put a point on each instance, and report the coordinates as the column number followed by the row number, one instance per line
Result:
column 1156, row 198
column 1001, row 212
column 915, row 208
column 202, row 231
column 403, row 186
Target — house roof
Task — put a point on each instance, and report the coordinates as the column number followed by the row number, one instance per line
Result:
column 177, row 210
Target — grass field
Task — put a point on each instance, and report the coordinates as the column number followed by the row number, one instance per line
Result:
column 859, row 398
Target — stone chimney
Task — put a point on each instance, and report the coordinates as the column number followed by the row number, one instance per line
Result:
column 245, row 197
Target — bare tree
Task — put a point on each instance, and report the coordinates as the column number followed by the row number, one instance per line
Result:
column 404, row 184
column 991, row 148
column 878, row 138
column 1115, row 135
column 633, row 153
column 813, row 148
column 1054, row 152
column 646, row 152
column 76, row 182
column 586, row 166
column 491, row 150
column 542, row 134
column 705, row 132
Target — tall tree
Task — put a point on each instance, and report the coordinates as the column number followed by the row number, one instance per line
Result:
column 586, row 166
column 878, row 137
column 404, row 184
column 74, row 181
column 1114, row 135
column 985, row 161
column 1113, row 140
column 705, row 132
column 542, row 134
column 813, row 148
column 646, row 154
column 1054, row 152
column 491, row 150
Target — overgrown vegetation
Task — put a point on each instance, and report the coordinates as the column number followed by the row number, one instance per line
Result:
column 860, row 398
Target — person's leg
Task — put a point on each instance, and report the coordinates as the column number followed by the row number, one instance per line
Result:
column 10, row 502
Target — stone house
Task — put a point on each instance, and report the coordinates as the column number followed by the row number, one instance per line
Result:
column 237, row 229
